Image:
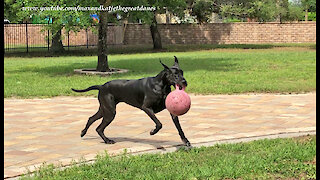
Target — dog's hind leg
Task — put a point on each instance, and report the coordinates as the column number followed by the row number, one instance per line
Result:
column 108, row 107
column 91, row 120
column 100, row 130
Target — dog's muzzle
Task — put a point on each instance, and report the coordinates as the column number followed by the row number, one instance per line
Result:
column 182, row 84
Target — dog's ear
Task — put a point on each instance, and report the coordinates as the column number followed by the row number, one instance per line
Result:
column 176, row 62
column 165, row 66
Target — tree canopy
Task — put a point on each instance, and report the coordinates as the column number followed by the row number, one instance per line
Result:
column 257, row 10
column 22, row 11
column 200, row 10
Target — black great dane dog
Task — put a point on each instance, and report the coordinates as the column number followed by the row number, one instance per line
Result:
column 147, row 94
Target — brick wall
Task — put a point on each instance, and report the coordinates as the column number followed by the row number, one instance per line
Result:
column 216, row 33
column 115, row 36
column 224, row 33
column 15, row 36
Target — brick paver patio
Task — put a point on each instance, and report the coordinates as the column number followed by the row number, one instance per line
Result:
column 38, row 130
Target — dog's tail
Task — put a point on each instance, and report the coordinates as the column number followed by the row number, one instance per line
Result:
column 96, row 87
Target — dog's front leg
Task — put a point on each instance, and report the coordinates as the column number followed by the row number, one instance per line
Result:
column 177, row 124
column 151, row 114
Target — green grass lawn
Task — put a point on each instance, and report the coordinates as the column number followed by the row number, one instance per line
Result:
column 219, row 71
column 133, row 49
column 290, row 158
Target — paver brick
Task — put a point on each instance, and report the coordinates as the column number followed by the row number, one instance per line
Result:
column 48, row 130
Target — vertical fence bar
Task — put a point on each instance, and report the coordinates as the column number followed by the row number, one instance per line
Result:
column 17, row 29
column 68, row 40
column 15, row 32
column 10, row 39
column 48, row 37
column 27, row 37
column 4, row 39
column 87, row 38
column 7, row 38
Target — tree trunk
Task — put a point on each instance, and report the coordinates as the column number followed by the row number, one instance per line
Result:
column 102, row 43
column 156, row 38
column 56, row 45
column 306, row 15
column 278, row 18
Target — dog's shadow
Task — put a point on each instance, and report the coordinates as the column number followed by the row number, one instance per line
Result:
column 158, row 144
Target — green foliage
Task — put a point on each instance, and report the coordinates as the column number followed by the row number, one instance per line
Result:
column 70, row 20
column 283, row 10
column 202, row 10
column 38, row 20
column 132, row 16
column 310, row 5
column 231, row 19
column 10, row 10
column 176, row 7
column 295, row 13
column 301, row 6
column 264, row 10
column 312, row 16
column 260, row 10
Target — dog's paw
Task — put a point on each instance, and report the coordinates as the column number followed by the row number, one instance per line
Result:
column 188, row 144
column 154, row 131
column 110, row 141
column 83, row 132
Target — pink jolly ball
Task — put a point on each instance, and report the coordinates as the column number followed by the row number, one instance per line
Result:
column 178, row 102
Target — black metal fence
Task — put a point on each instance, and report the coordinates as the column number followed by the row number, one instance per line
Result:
column 20, row 37
column 28, row 37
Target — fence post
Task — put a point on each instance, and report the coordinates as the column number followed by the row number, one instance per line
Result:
column 27, row 37
column 68, row 40
column 87, row 37
column 4, row 41
column 48, row 37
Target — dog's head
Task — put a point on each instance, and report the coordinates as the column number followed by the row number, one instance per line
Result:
column 174, row 75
